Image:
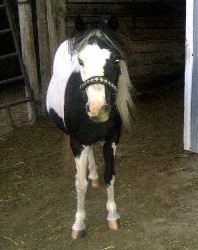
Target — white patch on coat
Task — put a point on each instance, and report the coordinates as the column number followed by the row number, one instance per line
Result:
column 94, row 59
column 81, row 187
column 111, row 205
column 92, row 165
column 64, row 65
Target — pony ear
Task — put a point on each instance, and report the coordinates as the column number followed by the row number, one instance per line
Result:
column 113, row 23
column 79, row 23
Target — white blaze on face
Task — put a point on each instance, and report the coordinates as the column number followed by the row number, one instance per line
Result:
column 96, row 98
column 94, row 59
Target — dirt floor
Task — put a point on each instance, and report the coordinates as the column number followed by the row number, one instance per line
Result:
column 156, row 187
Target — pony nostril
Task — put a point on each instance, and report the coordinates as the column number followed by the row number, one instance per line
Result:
column 87, row 108
column 105, row 108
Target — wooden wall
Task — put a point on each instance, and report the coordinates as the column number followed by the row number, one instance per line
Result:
column 156, row 30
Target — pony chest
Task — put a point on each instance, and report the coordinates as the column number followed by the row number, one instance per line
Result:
column 90, row 132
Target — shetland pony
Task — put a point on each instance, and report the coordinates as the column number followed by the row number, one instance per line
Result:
column 89, row 98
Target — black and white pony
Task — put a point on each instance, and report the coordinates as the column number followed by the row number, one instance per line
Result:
column 89, row 99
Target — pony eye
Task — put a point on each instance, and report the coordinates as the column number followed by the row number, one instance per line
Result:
column 80, row 62
column 116, row 61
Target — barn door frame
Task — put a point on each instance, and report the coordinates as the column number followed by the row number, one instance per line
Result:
column 191, row 78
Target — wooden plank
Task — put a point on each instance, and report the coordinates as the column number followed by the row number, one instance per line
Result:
column 122, row 1
column 153, row 22
column 3, row 57
column 132, row 9
column 2, row 6
column 44, row 49
column 158, row 46
column 56, row 11
column 163, row 34
column 9, row 115
column 13, row 79
column 98, row 1
column 53, row 37
column 157, row 34
column 147, row 83
column 156, row 58
column 5, row 31
column 153, row 70
column 161, row 1
column 143, row 22
column 14, row 103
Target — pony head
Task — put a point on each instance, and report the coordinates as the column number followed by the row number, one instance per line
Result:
column 100, row 58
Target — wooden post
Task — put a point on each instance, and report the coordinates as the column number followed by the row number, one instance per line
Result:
column 44, row 50
column 28, row 52
column 56, row 11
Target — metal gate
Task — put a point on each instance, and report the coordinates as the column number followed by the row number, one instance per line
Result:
column 8, row 27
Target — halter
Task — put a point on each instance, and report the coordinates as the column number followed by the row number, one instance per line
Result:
column 98, row 80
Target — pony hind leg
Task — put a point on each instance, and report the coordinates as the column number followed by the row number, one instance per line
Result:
column 93, row 175
column 81, row 159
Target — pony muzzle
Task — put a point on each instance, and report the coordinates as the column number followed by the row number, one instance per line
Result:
column 97, row 109
column 98, row 113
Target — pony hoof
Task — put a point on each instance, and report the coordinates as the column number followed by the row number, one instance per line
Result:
column 95, row 183
column 78, row 234
column 114, row 224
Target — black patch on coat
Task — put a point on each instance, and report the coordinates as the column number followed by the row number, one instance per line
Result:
column 109, row 163
column 76, row 146
column 57, row 120
column 77, row 121
column 74, row 103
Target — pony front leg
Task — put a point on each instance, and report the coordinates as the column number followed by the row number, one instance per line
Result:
column 109, row 177
column 93, row 176
column 81, row 159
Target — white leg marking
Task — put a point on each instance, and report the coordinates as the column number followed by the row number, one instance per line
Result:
column 111, row 206
column 92, row 165
column 114, row 148
column 81, row 188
